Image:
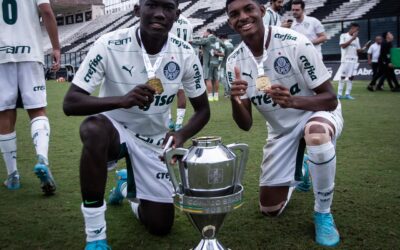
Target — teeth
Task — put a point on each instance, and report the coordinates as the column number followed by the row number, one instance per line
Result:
column 246, row 26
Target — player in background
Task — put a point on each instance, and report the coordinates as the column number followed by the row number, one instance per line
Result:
column 273, row 17
column 287, row 82
column 141, row 69
column 212, row 49
column 309, row 26
column 374, row 52
column 21, row 71
column 350, row 47
column 228, row 49
column 183, row 29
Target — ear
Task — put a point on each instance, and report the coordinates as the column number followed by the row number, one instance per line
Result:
column 178, row 13
column 136, row 10
column 263, row 10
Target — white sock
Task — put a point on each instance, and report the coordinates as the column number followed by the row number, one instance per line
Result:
column 180, row 115
column 8, row 147
column 322, row 166
column 169, row 114
column 210, row 95
column 340, row 87
column 95, row 222
column 349, row 87
column 40, row 131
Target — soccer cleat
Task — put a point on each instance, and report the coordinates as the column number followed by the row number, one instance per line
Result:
column 171, row 124
column 116, row 196
column 349, row 97
column 97, row 245
column 326, row 233
column 370, row 88
column 46, row 178
column 216, row 98
column 339, row 97
column 305, row 185
column 178, row 127
column 12, row 182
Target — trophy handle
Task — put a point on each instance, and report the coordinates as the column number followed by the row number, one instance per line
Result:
column 168, row 155
column 244, row 150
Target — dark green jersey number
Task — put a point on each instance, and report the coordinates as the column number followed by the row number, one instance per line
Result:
column 182, row 35
column 10, row 13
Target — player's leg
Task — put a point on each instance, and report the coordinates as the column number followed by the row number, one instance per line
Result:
column 8, row 147
column 273, row 200
column 215, row 81
column 180, row 112
column 380, row 73
column 101, row 142
column 349, row 87
column 343, row 74
column 319, row 134
column 40, row 132
column 210, row 90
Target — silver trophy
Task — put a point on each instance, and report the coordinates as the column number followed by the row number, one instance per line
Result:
column 210, row 184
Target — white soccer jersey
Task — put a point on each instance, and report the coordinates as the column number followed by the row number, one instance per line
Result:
column 310, row 27
column 292, row 62
column 183, row 28
column 116, row 58
column 349, row 54
column 20, row 33
column 271, row 18
column 375, row 51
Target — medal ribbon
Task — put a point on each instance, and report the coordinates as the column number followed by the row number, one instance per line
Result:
column 260, row 65
column 151, row 69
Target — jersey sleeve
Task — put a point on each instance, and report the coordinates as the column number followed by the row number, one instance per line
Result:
column 319, row 28
column 311, row 65
column 342, row 39
column 92, row 70
column 193, row 80
column 358, row 46
column 370, row 50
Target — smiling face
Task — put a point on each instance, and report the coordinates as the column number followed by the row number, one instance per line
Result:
column 245, row 17
column 158, row 16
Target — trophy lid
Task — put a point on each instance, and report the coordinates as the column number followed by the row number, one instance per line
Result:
column 206, row 141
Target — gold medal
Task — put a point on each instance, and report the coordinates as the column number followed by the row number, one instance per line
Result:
column 156, row 84
column 263, row 83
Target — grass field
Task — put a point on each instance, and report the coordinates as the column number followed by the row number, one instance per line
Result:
column 366, row 203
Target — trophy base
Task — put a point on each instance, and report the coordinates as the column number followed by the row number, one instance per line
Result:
column 209, row 244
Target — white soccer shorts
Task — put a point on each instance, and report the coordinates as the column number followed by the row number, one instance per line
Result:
column 151, row 178
column 283, row 156
column 28, row 78
column 349, row 69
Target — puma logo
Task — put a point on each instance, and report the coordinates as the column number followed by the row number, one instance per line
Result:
column 247, row 74
column 129, row 70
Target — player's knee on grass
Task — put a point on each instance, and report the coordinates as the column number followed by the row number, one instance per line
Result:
column 317, row 133
column 273, row 200
column 272, row 211
column 157, row 217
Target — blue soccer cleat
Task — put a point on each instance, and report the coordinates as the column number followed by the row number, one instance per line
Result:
column 326, row 233
column 339, row 97
column 12, row 182
column 97, row 245
column 116, row 196
column 178, row 127
column 46, row 178
column 171, row 124
column 349, row 97
column 305, row 185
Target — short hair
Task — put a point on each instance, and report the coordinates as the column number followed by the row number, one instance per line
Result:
column 223, row 36
column 210, row 31
column 301, row 2
column 231, row 1
column 355, row 25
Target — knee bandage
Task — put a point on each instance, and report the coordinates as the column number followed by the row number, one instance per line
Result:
column 313, row 139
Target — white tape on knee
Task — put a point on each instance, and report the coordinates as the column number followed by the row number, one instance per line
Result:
column 313, row 139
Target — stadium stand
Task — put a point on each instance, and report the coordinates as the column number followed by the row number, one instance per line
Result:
column 374, row 16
